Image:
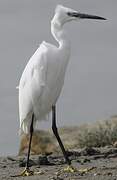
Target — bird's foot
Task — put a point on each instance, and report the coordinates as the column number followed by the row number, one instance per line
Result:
column 28, row 172
column 86, row 170
column 70, row 169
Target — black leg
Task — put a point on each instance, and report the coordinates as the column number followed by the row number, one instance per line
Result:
column 27, row 171
column 31, row 133
column 55, row 131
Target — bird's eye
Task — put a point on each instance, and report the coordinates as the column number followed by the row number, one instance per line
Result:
column 72, row 14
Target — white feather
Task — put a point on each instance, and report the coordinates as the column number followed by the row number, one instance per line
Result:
column 43, row 77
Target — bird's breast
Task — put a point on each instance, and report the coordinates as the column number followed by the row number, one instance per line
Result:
column 53, row 87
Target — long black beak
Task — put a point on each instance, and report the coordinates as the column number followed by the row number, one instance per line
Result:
column 84, row 16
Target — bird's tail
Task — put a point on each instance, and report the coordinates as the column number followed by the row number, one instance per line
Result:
column 25, row 124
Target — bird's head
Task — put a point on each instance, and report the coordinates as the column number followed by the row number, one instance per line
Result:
column 64, row 14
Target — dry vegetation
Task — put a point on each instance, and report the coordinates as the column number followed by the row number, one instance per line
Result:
column 42, row 143
column 98, row 134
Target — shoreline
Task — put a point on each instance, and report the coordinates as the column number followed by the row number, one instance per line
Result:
column 98, row 163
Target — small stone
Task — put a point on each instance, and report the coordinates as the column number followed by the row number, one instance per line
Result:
column 115, row 144
column 4, row 166
column 10, row 158
column 89, row 151
column 97, row 174
column 43, row 160
column 22, row 163
column 108, row 174
column 82, row 161
column 57, row 173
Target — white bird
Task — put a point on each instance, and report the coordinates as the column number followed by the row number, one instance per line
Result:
column 43, row 77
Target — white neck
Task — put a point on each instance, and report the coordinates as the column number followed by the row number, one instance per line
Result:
column 59, row 34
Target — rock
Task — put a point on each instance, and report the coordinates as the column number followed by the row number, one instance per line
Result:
column 10, row 158
column 22, row 163
column 82, row 161
column 89, row 151
column 115, row 144
column 43, row 160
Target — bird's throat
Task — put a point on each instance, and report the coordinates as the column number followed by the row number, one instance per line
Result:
column 60, row 35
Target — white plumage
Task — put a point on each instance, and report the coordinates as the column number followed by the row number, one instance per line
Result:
column 40, row 84
column 43, row 77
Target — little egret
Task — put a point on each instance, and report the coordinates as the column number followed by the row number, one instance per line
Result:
column 43, row 78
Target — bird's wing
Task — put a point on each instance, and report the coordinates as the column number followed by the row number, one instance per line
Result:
column 31, row 84
column 38, row 81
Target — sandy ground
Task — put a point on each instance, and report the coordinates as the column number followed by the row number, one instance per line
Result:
column 98, row 164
